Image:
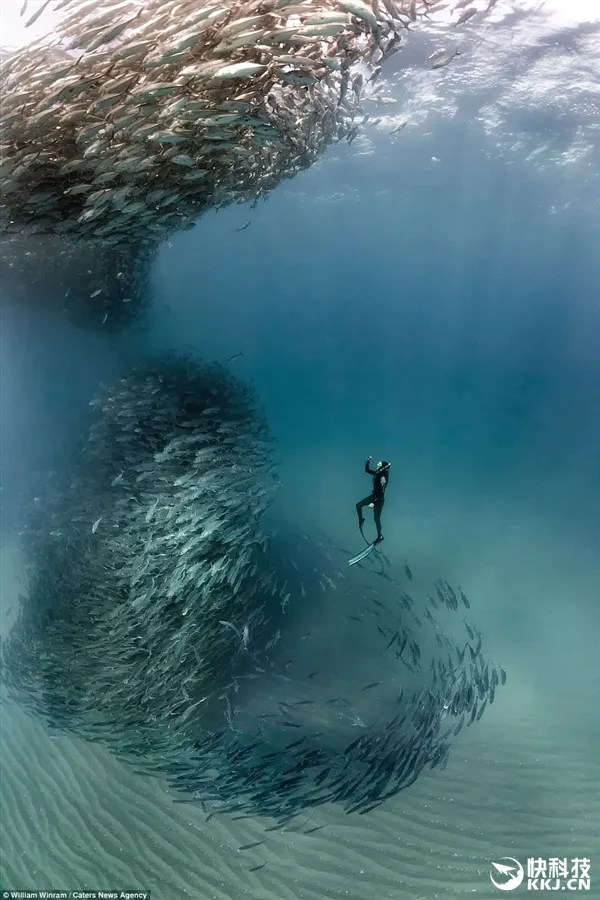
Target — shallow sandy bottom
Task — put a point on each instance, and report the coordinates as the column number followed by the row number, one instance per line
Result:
column 74, row 817
column 523, row 783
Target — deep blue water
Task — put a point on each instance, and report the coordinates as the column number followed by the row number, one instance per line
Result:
column 443, row 314
column 439, row 314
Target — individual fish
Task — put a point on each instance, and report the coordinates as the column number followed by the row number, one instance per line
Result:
column 439, row 53
column 394, row 638
column 442, row 61
column 36, row 14
column 430, row 618
column 250, row 846
column 360, row 10
column 402, row 124
column 466, row 15
column 481, row 709
column 183, row 159
column 238, row 70
column 244, row 226
column 458, row 727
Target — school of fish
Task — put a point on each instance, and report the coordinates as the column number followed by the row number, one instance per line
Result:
column 134, row 118
column 148, row 539
column 159, row 600
column 137, row 117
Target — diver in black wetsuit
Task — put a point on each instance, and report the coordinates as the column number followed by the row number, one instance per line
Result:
column 381, row 477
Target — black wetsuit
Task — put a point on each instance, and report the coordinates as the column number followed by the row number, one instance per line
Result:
column 381, row 479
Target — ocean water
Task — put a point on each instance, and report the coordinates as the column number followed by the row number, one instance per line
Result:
column 432, row 299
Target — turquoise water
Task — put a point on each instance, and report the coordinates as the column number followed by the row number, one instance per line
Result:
column 432, row 300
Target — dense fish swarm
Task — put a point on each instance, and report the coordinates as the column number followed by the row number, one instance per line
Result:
column 140, row 116
column 158, row 609
column 304, row 750
column 150, row 539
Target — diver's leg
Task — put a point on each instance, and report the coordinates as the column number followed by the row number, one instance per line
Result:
column 359, row 508
column 377, row 516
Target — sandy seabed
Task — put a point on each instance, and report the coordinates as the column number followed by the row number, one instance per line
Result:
column 523, row 783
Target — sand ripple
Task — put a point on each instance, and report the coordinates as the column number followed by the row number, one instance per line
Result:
column 74, row 817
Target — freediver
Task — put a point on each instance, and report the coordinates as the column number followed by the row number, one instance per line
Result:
column 376, row 499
